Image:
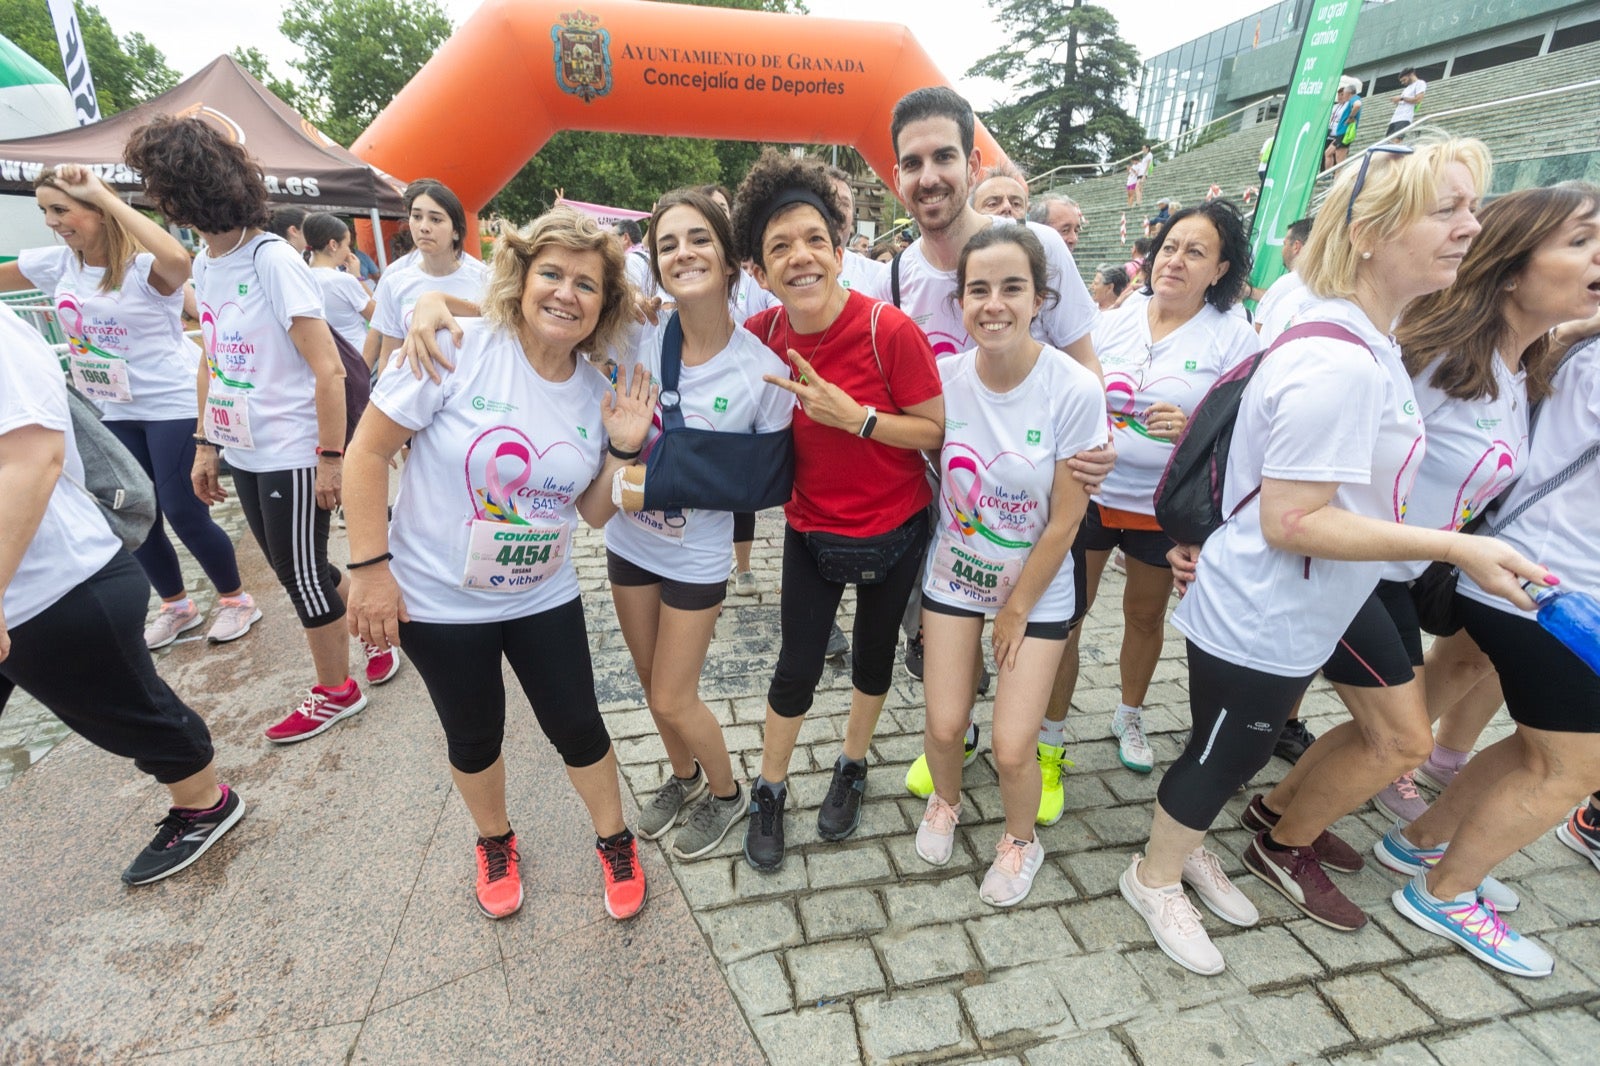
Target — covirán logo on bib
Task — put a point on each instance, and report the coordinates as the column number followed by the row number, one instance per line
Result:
column 583, row 55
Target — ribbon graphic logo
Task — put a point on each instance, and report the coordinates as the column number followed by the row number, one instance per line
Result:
column 208, row 340
column 964, row 504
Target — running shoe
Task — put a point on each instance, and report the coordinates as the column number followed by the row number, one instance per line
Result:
column 381, row 664
column 1132, row 747
column 1052, row 797
column 1435, row 774
column 1331, row 851
column 499, row 888
column 1203, row 873
column 1401, row 801
column 1173, row 921
column 624, row 877
column 233, row 618
column 172, row 619
column 914, row 652
column 708, row 822
column 1580, row 833
column 1010, row 878
column 936, row 836
column 318, row 712
column 1403, row 857
column 1475, row 924
column 744, row 584
column 661, row 812
column 838, row 644
column 1297, row 875
column 840, row 812
column 1293, row 740
column 182, row 837
column 763, row 834
column 919, row 779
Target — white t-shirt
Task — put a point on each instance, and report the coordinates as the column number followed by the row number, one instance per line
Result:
column 1476, row 448
column 997, row 468
column 1317, row 410
column 1406, row 109
column 929, row 297
column 749, row 298
column 492, row 439
column 248, row 299
column 1279, row 305
column 867, row 276
column 725, row 393
column 1560, row 530
column 636, row 264
column 1177, row 370
column 398, row 291
column 344, row 298
column 135, row 324
column 73, row 541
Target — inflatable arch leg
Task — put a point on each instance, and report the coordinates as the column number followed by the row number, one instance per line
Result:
column 519, row 70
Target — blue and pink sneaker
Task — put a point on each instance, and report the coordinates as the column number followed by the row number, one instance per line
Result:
column 1404, row 857
column 1475, row 924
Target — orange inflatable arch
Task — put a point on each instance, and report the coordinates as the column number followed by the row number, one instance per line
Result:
column 519, row 70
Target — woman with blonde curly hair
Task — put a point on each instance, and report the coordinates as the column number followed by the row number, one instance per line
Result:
column 470, row 572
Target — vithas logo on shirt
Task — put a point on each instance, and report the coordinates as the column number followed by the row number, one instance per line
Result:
column 1034, row 436
column 244, row 290
column 721, row 403
column 1191, row 364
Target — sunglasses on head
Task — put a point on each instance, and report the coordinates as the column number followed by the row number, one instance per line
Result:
column 1361, row 175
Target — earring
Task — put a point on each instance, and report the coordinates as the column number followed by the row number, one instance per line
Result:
column 1366, row 255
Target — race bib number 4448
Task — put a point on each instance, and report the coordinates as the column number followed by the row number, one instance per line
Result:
column 982, row 582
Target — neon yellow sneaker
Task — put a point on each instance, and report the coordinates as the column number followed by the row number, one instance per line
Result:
column 1053, row 799
column 919, row 779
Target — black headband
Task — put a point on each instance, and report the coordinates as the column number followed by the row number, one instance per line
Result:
column 786, row 197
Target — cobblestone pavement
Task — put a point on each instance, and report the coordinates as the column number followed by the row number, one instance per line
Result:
column 860, row 952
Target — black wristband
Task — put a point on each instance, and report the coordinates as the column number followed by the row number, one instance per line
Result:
column 201, row 442
column 624, row 456
column 329, row 453
column 374, row 561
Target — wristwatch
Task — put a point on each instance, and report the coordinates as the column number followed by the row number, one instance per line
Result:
column 870, row 424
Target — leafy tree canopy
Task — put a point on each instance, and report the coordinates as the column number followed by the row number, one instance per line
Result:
column 126, row 71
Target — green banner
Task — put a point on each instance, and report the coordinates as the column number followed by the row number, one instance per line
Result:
column 1302, row 133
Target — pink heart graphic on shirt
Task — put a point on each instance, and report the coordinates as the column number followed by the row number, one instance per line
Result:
column 496, row 500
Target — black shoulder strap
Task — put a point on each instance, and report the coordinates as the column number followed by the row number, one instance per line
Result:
column 671, row 365
column 894, row 279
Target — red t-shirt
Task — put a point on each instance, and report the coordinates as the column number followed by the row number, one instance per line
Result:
column 842, row 483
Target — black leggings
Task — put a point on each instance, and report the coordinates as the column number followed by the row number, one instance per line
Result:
column 807, row 609
column 84, row 658
column 744, row 527
column 549, row 652
column 281, row 508
column 1237, row 713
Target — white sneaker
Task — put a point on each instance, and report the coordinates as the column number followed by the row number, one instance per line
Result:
column 1132, row 747
column 744, row 583
column 233, row 618
column 172, row 619
column 1010, row 878
column 1203, row 873
column 1173, row 921
column 936, row 836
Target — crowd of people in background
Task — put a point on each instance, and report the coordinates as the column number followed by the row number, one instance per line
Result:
column 974, row 432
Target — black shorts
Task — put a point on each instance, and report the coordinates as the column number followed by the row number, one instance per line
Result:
column 679, row 595
column 1148, row 546
column 1395, row 127
column 1546, row 685
column 1336, row 142
column 1041, row 630
column 1383, row 643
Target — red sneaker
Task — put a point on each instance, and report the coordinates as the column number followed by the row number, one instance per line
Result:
column 317, row 712
column 381, row 664
column 499, row 877
column 624, row 877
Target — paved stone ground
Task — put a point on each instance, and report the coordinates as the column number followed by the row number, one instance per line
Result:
column 854, row 952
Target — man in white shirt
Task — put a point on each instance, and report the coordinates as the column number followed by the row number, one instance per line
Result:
column 1003, row 192
column 857, row 272
column 1276, row 308
column 1060, row 213
column 1405, row 104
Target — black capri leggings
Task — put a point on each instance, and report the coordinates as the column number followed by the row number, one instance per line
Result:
column 807, row 609
column 84, row 658
column 549, row 652
column 744, row 527
column 281, row 509
column 1237, row 713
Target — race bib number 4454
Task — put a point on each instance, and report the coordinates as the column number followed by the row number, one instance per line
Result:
column 507, row 557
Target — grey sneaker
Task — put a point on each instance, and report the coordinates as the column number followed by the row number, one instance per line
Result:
column 914, row 656
column 840, row 812
column 708, row 822
column 661, row 812
column 838, row 645
column 744, row 583
column 172, row 619
column 233, row 618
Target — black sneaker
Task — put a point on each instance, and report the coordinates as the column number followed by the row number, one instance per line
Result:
column 1293, row 741
column 182, row 837
column 763, row 834
column 983, row 682
column 838, row 644
column 841, row 810
column 914, row 656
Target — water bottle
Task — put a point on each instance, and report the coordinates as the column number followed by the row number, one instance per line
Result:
column 1573, row 618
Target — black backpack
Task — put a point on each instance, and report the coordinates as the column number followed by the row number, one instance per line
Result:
column 1189, row 496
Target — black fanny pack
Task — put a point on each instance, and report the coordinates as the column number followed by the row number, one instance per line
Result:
column 863, row 560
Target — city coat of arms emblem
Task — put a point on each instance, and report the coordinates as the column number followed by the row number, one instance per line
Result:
column 582, row 55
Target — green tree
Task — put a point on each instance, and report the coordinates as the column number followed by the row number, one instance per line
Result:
column 1068, row 69
column 614, row 169
column 257, row 66
column 126, row 71
column 356, row 55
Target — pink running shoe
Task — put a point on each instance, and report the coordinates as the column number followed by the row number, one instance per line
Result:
column 381, row 664
column 318, row 712
column 1401, row 801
